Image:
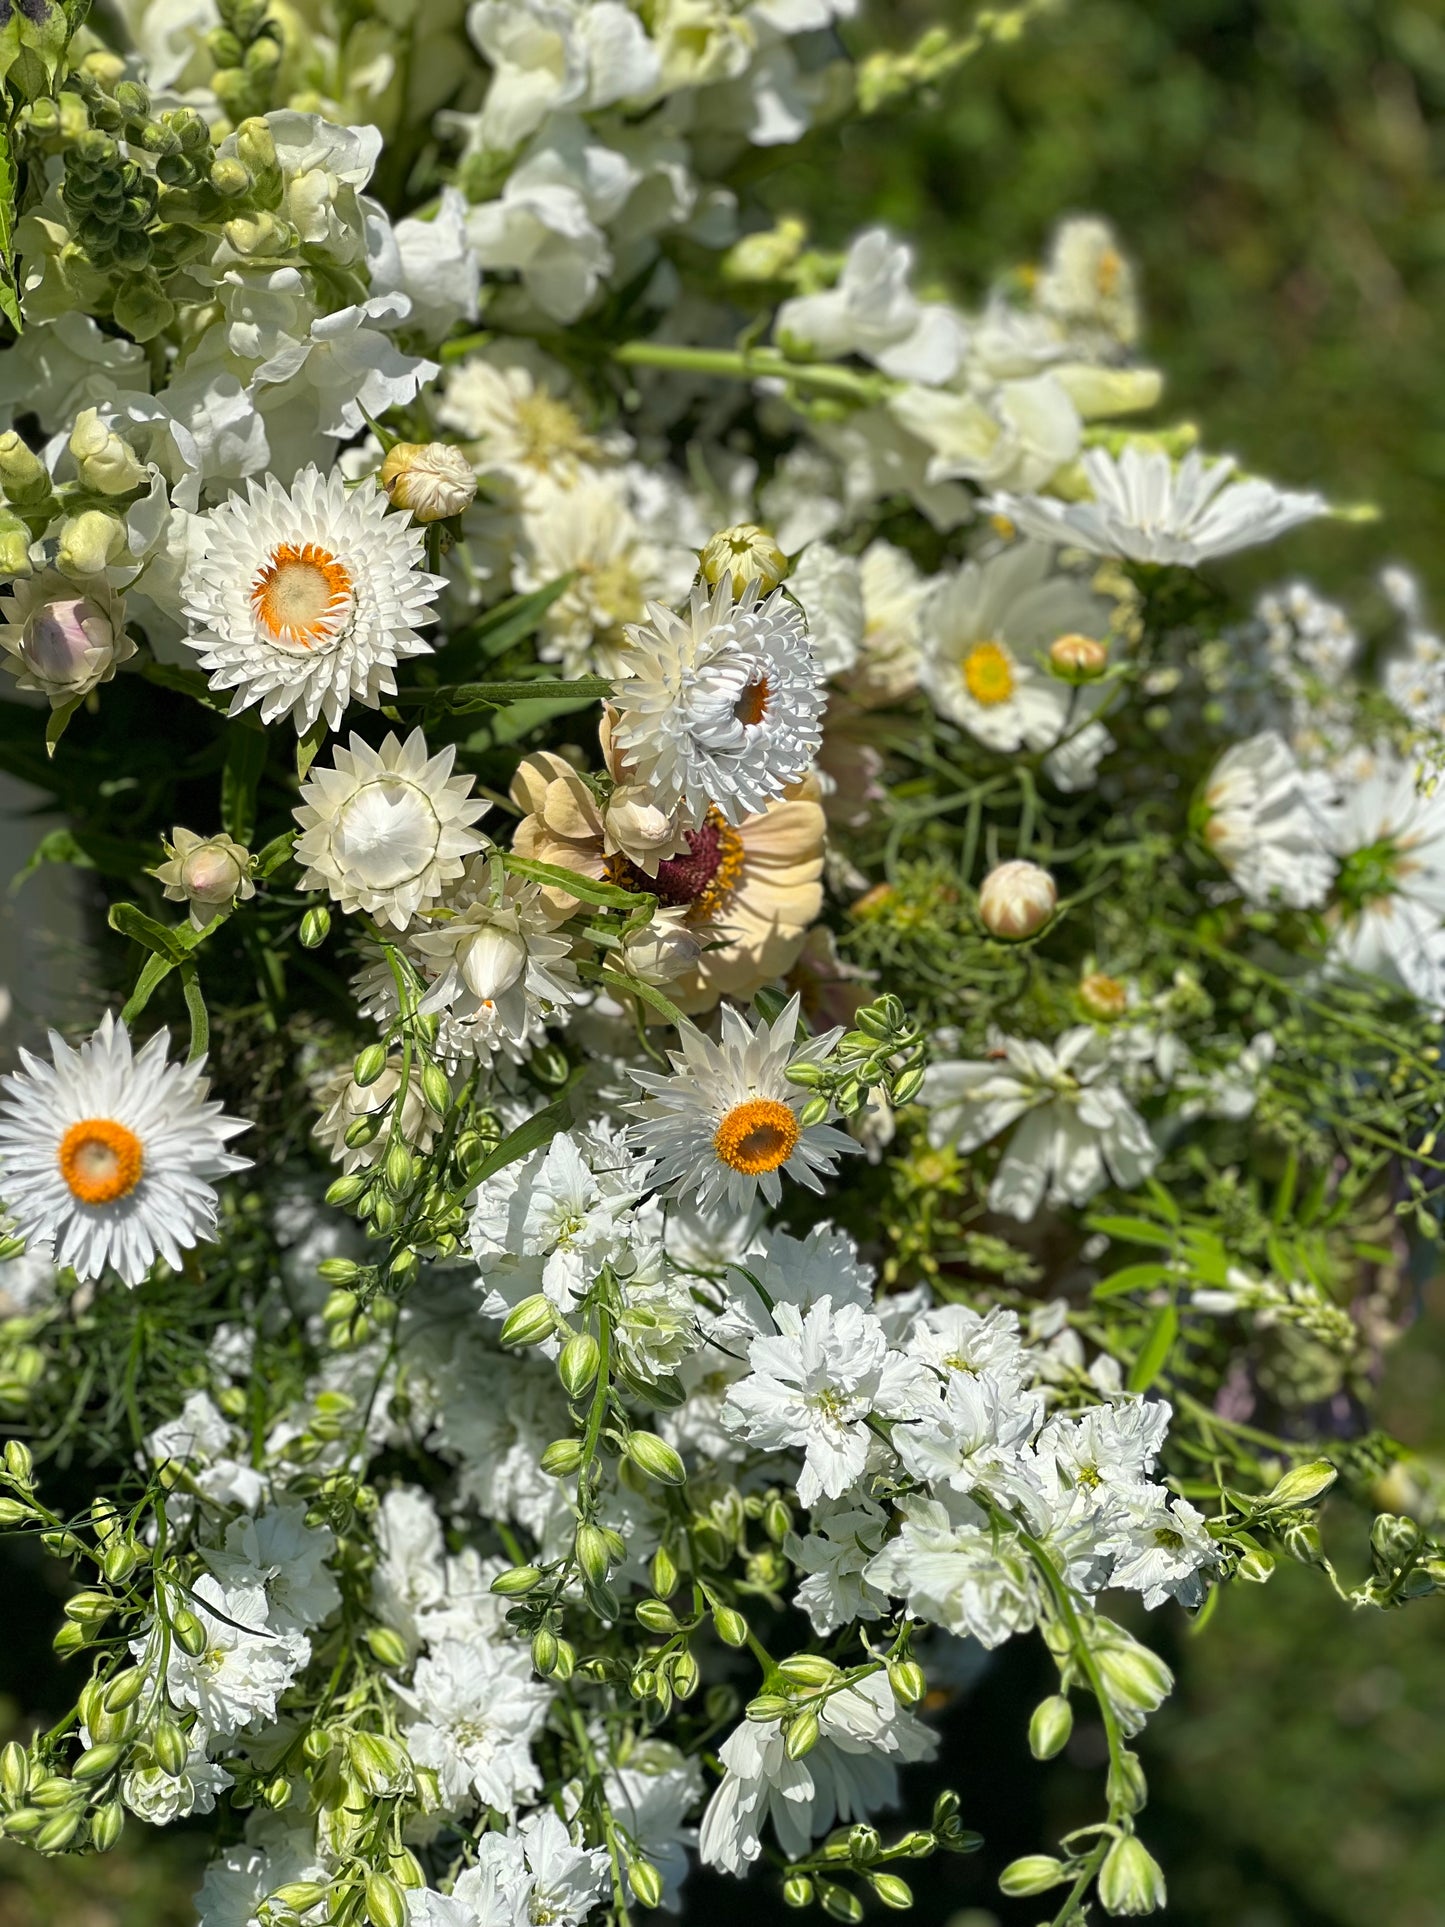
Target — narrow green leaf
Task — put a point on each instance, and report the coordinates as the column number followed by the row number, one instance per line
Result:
column 528, row 1137
column 649, row 993
column 1163, row 1202
column 9, row 294
column 1134, row 1231
column 1131, row 1278
column 513, row 620
column 154, row 972
column 1158, row 1344
column 275, row 853
column 58, row 721
column 557, row 877
column 172, row 943
column 308, row 745
column 240, row 779
column 196, row 1005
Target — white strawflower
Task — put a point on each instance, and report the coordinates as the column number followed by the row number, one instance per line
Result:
column 305, row 600
column 1078, row 1128
column 1016, row 900
column 1264, row 819
column 61, row 639
column 211, row 873
column 109, row 1158
column 1389, row 914
column 386, row 830
column 722, row 708
column 1144, row 509
column 432, row 479
column 726, row 1121
column 496, row 958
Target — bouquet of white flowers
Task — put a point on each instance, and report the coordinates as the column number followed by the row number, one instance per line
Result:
column 824, row 1055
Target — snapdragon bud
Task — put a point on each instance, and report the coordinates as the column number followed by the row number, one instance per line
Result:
column 88, row 542
column 23, row 476
column 432, row 479
column 14, row 546
column 105, row 462
column 745, row 553
column 1016, row 900
column 1078, row 659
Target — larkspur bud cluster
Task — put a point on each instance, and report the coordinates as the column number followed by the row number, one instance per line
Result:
column 758, row 1039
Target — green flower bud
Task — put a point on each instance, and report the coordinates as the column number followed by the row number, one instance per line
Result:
column 1130, row 1880
column 562, row 1457
column 97, row 1761
column 516, row 1581
column 908, row 1680
column 369, row 1065
column 14, row 545
column 14, row 1770
column 645, row 1882
column 277, row 1793
column 89, row 1608
column 23, row 1822
column 1304, row 1484
column 107, row 1824
column 315, row 927
column 656, row 1458
column 544, row 1651
column 891, row 1890
column 797, row 1890
column 1050, row 1727
column 259, row 234
column 300, row 1896
column 189, row 1632
column 1035, row 1873
column 88, row 542
column 387, row 1647
column 530, row 1322
column 23, row 476
column 838, row 1903
column 14, row 1512
column 385, row 1903
column 802, row 1735
column 1128, row 1790
column 732, row 1628
column 593, row 1554
column 436, row 1088
column 344, row 1191
column 171, row 1748
column 808, row 1669
column 577, row 1367
column 58, row 1832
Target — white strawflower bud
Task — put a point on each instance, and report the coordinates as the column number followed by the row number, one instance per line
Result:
column 432, row 479
column 105, row 462
column 1078, row 658
column 745, row 553
column 1016, row 900
column 211, row 873
column 62, row 643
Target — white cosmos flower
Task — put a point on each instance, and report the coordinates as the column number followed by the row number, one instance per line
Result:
column 721, row 707
column 1389, row 914
column 1078, row 1128
column 814, row 1387
column 305, row 600
column 1265, row 821
column 726, row 1121
column 109, row 1157
column 1144, row 509
column 386, row 830
column 986, row 633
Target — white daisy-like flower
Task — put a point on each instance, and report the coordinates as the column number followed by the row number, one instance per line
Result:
column 1144, row 509
column 386, row 830
column 1078, row 1127
column 1389, row 914
column 109, row 1157
column 986, row 634
column 497, row 952
column 1264, row 818
column 723, row 705
column 727, row 1120
column 305, row 600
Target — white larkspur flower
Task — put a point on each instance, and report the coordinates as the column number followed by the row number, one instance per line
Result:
column 477, row 1710
column 1264, row 819
column 1163, row 1550
column 245, row 1665
column 974, row 1438
column 1144, row 509
column 109, row 1156
column 570, row 1205
column 1389, row 914
column 722, row 706
column 814, row 1387
column 1078, row 1127
column 305, row 600
column 955, row 1570
column 386, row 830
column 538, row 1873
column 841, row 1540
column 986, row 632
column 727, row 1120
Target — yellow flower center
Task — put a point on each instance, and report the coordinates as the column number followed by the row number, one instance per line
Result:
column 751, row 707
column 757, row 1135
column 988, row 673
column 100, row 1160
column 549, row 430
column 1108, row 272
column 301, row 594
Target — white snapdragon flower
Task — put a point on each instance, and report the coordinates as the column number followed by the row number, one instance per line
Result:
column 814, row 1388
column 872, row 311
column 864, row 1735
column 1388, row 917
column 1265, row 820
column 1076, row 1128
column 829, row 585
column 475, row 1711
column 986, row 632
column 1006, row 434
column 550, row 55
column 720, row 708
column 1144, row 509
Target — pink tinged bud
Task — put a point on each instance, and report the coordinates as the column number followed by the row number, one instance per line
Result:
column 1016, row 900
column 211, row 874
column 68, row 643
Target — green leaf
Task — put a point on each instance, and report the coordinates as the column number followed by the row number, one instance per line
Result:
column 1163, row 1202
column 308, row 745
column 1155, row 1353
column 58, row 721
column 174, row 943
column 154, row 972
column 196, row 1005
column 1134, row 1231
column 275, row 853
column 557, row 877
column 649, row 993
column 528, row 1137
column 9, row 296
column 189, row 682
column 59, row 846
column 511, row 621
column 1131, row 1278
column 240, row 779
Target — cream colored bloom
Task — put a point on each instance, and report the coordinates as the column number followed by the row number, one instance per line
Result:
column 432, row 479
column 211, row 873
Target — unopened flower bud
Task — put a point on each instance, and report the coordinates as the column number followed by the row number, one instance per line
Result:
column 143, row 308
column 656, row 1458
column 530, row 1322
column 802, row 1735
column 1016, row 900
column 1050, row 1727
column 315, row 927
column 577, row 1366
column 105, row 462
column 88, row 542
column 892, row 1890
column 562, row 1457
column 1078, row 659
column 387, row 1646
column 908, row 1681
column 255, row 144
column 744, row 553
column 211, row 873
column 1102, row 997
column 1303, row 1484
column 23, row 476
column 645, row 1882
column 1035, row 1873
column 432, row 479
column 1130, row 1880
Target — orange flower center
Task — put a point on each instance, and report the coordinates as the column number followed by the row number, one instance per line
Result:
column 988, row 673
column 100, row 1160
column 757, row 1135
column 751, row 707
column 301, row 594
